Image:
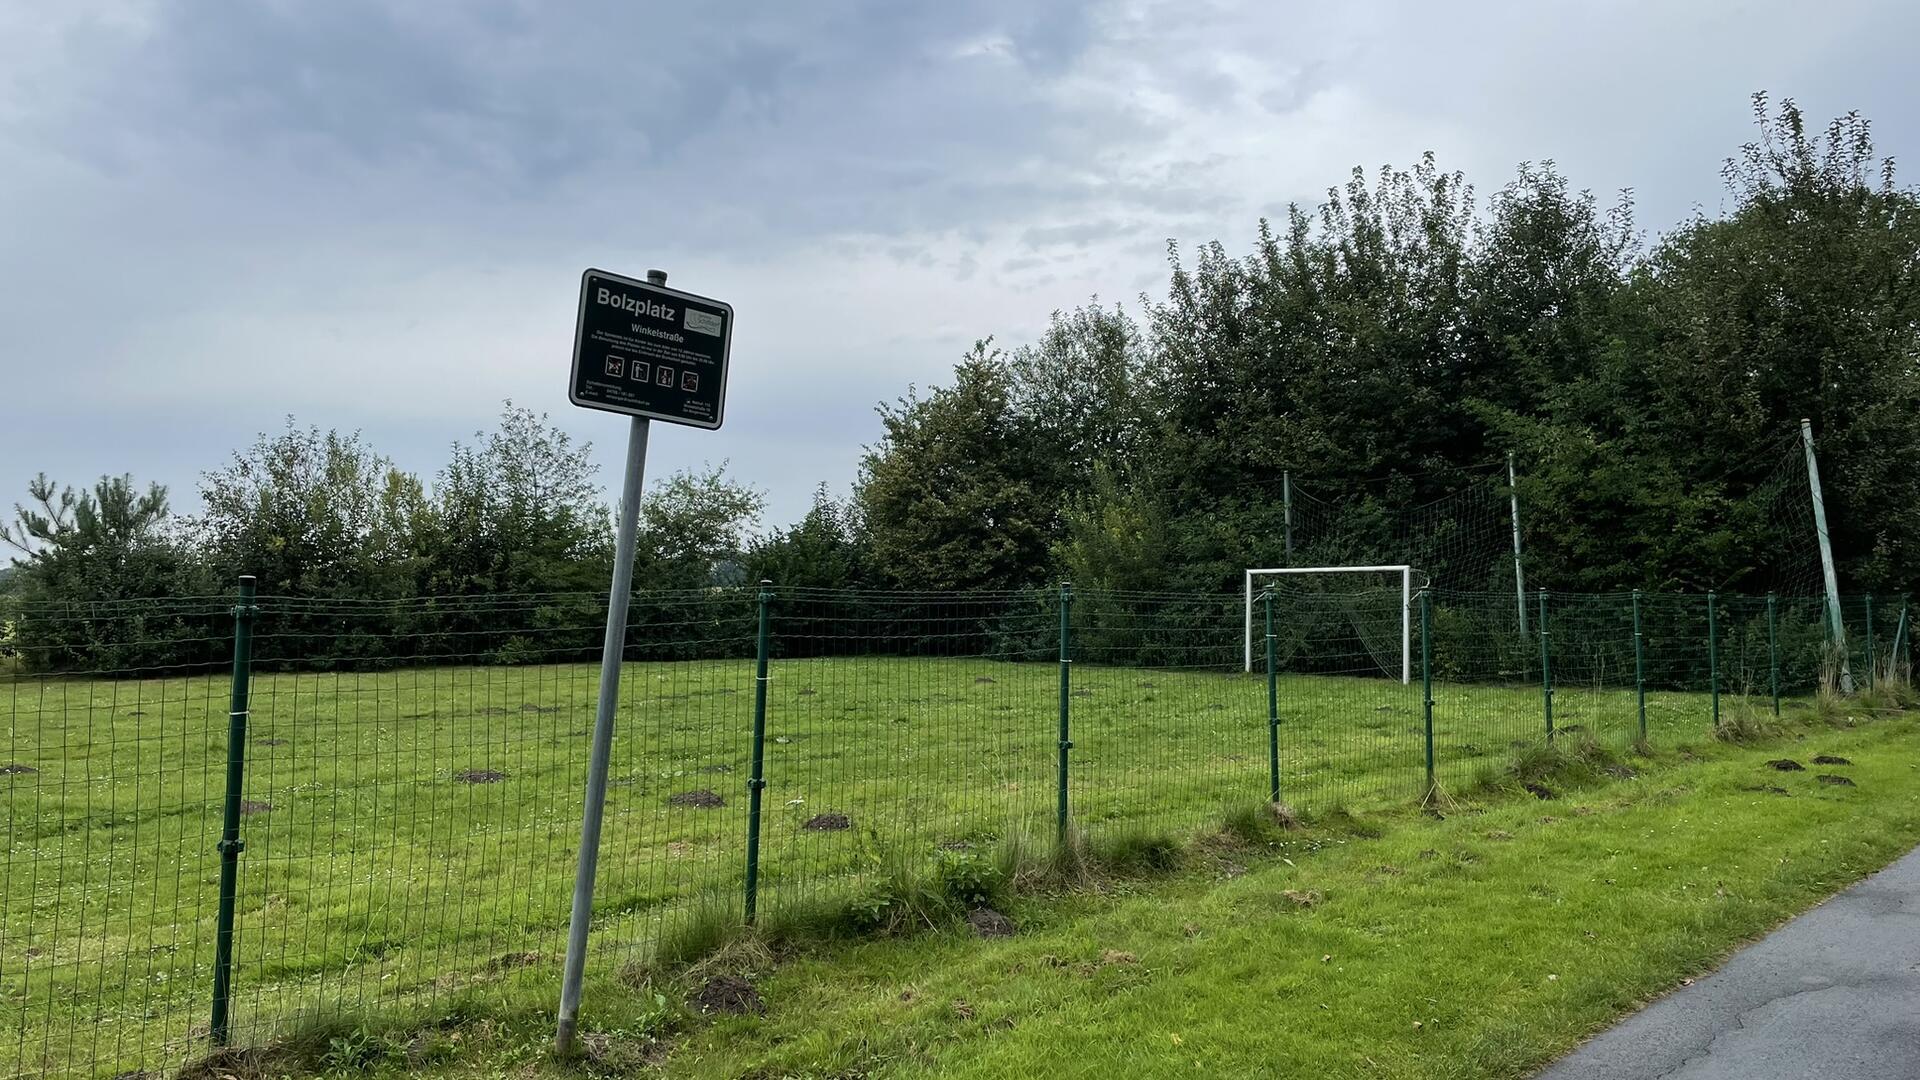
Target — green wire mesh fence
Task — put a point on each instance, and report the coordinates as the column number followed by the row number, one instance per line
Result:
column 412, row 770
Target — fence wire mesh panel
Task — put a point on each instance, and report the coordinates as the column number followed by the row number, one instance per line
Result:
column 1167, row 731
column 412, row 828
column 1487, row 688
column 412, row 771
column 113, row 735
column 900, row 726
column 1349, row 729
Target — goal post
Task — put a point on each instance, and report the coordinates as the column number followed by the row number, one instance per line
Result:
column 1406, row 603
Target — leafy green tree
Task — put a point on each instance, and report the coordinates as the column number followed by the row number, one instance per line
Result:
column 82, row 562
column 312, row 513
column 693, row 530
column 518, row 510
column 1802, row 301
column 948, row 495
column 1117, row 538
column 1078, row 399
column 823, row 550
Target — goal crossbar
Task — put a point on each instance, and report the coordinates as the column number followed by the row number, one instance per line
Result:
column 1406, row 604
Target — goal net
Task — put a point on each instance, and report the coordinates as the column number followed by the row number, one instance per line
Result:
column 1352, row 620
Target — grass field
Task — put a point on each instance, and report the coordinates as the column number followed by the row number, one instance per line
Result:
column 1479, row 946
column 411, row 834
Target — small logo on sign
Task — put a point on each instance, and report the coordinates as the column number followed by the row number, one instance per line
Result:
column 615, row 366
column 642, row 371
column 705, row 322
column 665, row 376
column 689, row 381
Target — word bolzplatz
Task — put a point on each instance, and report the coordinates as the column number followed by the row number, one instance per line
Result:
column 633, row 305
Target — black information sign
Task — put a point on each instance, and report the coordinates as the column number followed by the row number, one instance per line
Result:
column 647, row 350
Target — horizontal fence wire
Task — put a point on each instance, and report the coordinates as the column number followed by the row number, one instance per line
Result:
column 414, row 769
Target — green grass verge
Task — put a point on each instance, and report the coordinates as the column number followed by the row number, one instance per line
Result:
column 1479, row 944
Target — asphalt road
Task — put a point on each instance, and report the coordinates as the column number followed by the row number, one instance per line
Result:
column 1834, row 994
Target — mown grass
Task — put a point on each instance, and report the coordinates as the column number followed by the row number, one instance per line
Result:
column 1480, row 945
column 380, row 883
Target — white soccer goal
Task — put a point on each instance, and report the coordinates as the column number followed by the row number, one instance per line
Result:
column 1406, row 603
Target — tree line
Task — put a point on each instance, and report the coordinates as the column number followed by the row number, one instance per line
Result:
column 1400, row 336
column 1387, row 344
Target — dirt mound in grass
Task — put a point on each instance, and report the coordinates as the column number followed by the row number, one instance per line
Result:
column 983, row 679
column 1539, row 791
column 703, row 798
column 248, row 807
column 479, row 776
column 17, row 770
column 988, row 923
column 728, row 996
column 828, row 823
column 229, row 1061
column 1836, row 781
column 1786, row 765
column 1829, row 759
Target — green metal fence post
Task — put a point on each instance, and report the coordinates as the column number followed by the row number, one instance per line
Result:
column 1426, row 678
column 1773, row 650
column 757, row 779
column 1546, row 668
column 1066, row 730
column 1273, row 707
column 230, row 844
column 1713, row 658
column 1639, row 666
column 1873, row 651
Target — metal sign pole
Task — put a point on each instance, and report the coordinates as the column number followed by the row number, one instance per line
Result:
column 610, row 656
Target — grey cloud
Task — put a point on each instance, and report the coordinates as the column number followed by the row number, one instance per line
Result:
column 1077, row 235
column 378, row 185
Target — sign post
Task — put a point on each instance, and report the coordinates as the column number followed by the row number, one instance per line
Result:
column 652, row 353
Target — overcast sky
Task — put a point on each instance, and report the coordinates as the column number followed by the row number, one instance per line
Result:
column 374, row 216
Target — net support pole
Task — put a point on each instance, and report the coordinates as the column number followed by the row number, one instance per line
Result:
column 612, row 650
column 1426, row 680
column 757, row 779
column 1639, row 667
column 230, row 845
column 1713, row 655
column 1519, row 578
column 1247, row 638
column 1406, row 625
column 1273, row 707
column 1896, row 661
column 1546, row 668
column 1773, row 650
column 1286, row 509
column 1066, row 679
column 1873, row 646
column 1836, row 627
